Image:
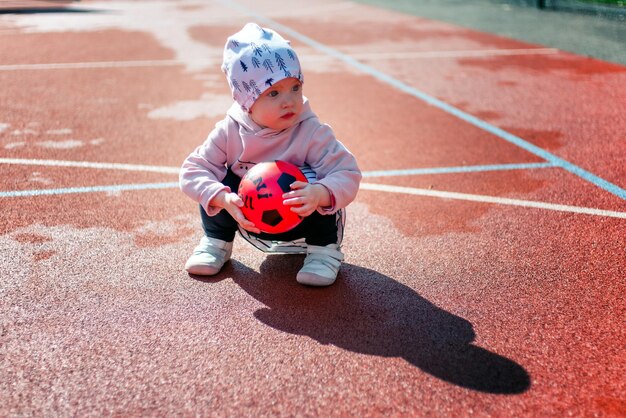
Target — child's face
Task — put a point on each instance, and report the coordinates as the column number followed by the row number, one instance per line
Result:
column 279, row 106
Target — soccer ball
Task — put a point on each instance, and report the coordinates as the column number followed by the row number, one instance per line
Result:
column 261, row 190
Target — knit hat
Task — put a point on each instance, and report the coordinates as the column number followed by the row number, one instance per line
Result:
column 254, row 59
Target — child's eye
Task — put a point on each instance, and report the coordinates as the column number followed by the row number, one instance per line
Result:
column 273, row 93
column 296, row 87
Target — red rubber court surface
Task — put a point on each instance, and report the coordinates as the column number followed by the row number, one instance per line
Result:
column 485, row 253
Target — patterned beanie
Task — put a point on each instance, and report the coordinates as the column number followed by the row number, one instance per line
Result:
column 254, row 59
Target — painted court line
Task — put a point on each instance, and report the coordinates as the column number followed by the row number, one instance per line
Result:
column 366, row 56
column 459, row 169
column 491, row 199
column 87, row 164
column 364, row 186
column 95, row 64
column 379, row 75
column 454, row 54
column 376, row 173
column 91, row 189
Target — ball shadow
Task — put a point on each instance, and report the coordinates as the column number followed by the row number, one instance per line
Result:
column 370, row 313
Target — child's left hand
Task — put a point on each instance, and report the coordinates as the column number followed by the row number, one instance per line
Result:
column 305, row 198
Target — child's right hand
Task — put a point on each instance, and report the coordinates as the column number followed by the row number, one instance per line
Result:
column 232, row 203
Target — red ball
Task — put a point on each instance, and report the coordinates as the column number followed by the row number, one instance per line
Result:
column 261, row 190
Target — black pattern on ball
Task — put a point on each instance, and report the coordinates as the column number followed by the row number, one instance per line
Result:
column 284, row 181
column 271, row 217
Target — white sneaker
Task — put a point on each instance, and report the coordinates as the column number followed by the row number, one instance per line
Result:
column 209, row 256
column 321, row 265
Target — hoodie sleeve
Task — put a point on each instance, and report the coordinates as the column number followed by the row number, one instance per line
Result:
column 335, row 167
column 202, row 172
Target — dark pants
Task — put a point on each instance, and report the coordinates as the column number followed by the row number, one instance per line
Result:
column 316, row 229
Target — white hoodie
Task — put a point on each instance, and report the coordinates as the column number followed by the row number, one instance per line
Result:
column 238, row 143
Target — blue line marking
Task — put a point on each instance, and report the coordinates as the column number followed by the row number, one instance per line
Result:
column 460, row 169
column 115, row 188
column 533, row 149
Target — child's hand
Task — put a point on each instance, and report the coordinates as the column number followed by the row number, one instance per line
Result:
column 305, row 198
column 232, row 203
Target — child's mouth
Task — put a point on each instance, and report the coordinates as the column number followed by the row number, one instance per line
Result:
column 287, row 115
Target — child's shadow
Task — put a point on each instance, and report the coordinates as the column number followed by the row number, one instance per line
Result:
column 367, row 312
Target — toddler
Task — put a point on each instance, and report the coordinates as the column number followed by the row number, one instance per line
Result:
column 270, row 120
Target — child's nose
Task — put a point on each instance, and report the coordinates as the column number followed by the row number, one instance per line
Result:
column 288, row 101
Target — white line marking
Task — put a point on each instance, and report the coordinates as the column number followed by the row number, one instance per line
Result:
column 87, row 164
column 364, row 186
column 371, row 56
column 376, row 173
column 491, row 199
column 95, row 64
column 459, row 169
column 92, row 189
column 454, row 54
